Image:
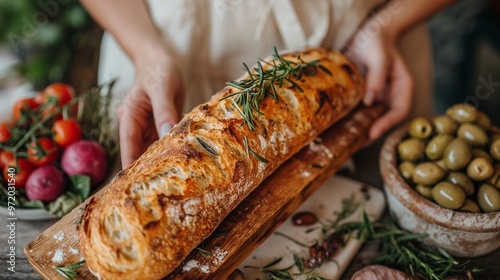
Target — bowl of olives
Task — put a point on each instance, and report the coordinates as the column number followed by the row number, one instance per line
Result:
column 442, row 177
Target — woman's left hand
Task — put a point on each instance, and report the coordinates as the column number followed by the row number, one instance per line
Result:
column 388, row 79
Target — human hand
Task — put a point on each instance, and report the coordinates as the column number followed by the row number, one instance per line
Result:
column 151, row 107
column 388, row 79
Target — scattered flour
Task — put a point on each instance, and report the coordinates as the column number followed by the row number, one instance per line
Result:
column 306, row 174
column 58, row 256
column 194, row 264
column 73, row 251
column 59, row 236
column 218, row 255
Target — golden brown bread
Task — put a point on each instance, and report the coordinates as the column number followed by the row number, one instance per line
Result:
column 175, row 195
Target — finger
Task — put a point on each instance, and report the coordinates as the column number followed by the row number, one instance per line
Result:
column 400, row 97
column 162, row 94
column 376, row 80
column 130, row 137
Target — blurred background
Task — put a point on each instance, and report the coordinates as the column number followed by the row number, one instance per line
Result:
column 41, row 43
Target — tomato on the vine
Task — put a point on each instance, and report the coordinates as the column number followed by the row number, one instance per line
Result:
column 18, row 172
column 39, row 98
column 5, row 133
column 5, row 158
column 46, row 152
column 49, row 110
column 61, row 91
column 67, row 132
column 23, row 105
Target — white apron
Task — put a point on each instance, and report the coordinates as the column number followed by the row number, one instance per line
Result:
column 209, row 39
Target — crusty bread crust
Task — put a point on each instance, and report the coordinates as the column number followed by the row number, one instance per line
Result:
column 176, row 194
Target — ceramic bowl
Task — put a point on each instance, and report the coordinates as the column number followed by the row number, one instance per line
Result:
column 461, row 234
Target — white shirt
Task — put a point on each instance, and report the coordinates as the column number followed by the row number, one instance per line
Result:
column 209, row 39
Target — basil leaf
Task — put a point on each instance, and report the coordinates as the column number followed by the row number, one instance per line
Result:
column 80, row 185
column 64, row 204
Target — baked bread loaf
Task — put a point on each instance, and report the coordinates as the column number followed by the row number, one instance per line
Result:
column 156, row 211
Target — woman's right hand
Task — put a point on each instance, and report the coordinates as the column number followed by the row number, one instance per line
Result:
column 152, row 106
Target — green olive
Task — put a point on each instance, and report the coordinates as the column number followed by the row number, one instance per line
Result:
column 495, row 149
column 470, row 206
column 420, row 128
column 483, row 120
column 411, row 149
column 443, row 124
column 462, row 112
column 480, row 169
column 424, row 191
column 488, row 198
column 406, row 168
column 457, row 154
column 441, row 164
column 474, row 134
column 482, row 154
column 495, row 178
column 448, row 195
column 428, row 173
column 459, row 178
column 435, row 148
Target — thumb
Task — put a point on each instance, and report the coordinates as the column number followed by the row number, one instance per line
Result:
column 375, row 81
column 164, row 110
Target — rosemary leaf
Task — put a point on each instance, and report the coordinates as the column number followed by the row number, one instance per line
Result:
column 292, row 239
column 69, row 271
column 258, row 157
column 273, row 263
column 207, row 147
column 205, row 253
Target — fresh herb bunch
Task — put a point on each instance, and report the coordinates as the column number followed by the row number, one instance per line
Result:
column 399, row 248
column 405, row 250
column 261, row 83
column 271, row 273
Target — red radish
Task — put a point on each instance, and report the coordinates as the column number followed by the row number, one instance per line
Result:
column 46, row 183
column 85, row 157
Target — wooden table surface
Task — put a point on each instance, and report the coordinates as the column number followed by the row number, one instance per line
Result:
column 366, row 172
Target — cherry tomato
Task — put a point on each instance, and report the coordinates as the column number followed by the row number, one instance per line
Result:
column 50, row 152
column 39, row 97
column 63, row 92
column 5, row 158
column 48, row 110
column 23, row 105
column 17, row 173
column 5, row 133
column 67, row 132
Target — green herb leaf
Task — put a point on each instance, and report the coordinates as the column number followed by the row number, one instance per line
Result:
column 261, row 83
column 203, row 252
column 80, row 185
column 207, row 147
column 69, row 272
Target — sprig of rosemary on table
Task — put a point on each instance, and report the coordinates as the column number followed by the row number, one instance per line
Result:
column 405, row 250
column 261, row 83
column 69, row 271
column 271, row 273
column 398, row 248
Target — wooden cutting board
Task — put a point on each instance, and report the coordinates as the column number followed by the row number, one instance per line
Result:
column 262, row 212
